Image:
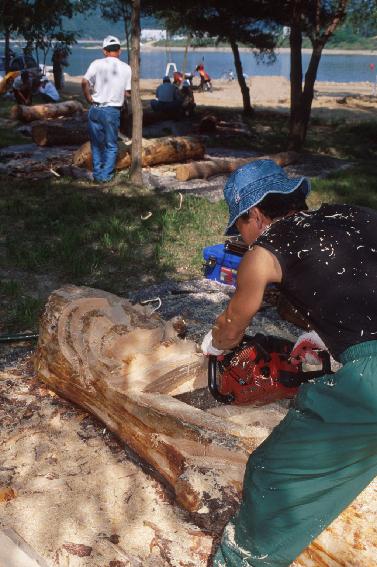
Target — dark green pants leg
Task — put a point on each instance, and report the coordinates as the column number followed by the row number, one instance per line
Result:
column 315, row 462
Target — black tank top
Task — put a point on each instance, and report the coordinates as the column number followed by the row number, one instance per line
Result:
column 328, row 259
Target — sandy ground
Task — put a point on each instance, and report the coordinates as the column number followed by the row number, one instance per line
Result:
column 273, row 93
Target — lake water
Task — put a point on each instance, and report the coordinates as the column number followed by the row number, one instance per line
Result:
column 337, row 68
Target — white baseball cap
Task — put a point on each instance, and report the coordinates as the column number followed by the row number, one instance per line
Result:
column 109, row 41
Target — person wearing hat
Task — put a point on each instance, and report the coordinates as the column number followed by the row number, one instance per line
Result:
column 167, row 97
column 47, row 90
column 105, row 85
column 324, row 452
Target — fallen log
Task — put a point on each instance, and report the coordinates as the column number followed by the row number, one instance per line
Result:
column 63, row 132
column 44, row 111
column 115, row 359
column 155, row 151
column 152, row 117
column 217, row 166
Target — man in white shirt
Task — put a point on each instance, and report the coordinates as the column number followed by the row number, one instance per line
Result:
column 105, row 85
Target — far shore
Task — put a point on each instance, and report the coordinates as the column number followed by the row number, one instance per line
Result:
column 97, row 44
column 151, row 47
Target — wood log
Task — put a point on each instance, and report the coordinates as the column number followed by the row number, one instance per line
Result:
column 155, row 151
column 152, row 117
column 106, row 355
column 63, row 132
column 44, row 111
column 217, row 166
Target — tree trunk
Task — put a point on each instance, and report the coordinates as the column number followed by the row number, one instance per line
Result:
column 154, row 151
column 241, row 79
column 126, row 20
column 205, row 169
column 137, row 109
column 295, row 132
column 184, row 64
column 130, row 369
column 63, row 132
column 301, row 98
column 42, row 111
column 7, row 49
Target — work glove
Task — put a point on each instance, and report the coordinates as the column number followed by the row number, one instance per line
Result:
column 207, row 346
column 306, row 349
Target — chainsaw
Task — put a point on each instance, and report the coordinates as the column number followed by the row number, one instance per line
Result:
column 260, row 370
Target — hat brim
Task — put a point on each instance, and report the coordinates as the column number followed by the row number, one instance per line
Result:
column 290, row 185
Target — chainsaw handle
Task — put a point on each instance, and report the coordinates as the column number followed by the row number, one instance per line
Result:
column 298, row 378
column 212, row 382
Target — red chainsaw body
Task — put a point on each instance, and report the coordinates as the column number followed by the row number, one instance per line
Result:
column 251, row 379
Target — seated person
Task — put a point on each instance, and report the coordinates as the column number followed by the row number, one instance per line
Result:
column 47, row 90
column 23, row 88
column 167, row 97
column 187, row 98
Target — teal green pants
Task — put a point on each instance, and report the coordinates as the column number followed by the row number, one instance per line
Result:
column 311, row 467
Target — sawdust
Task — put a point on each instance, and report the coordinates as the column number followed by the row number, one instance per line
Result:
column 74, row 484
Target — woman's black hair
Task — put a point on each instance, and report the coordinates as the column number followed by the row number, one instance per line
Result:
column 276, row 205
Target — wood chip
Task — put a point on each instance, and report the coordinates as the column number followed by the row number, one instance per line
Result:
column 6, row 494
column 78, row 549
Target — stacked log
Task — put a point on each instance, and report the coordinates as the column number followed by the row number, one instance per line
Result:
column 155, row 151
column 217, row 166
column 62, row 132
column 114, row 359
column 44, row 111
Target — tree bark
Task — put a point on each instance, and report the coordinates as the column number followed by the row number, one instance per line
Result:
column 295, row 40
column 241, row 79
column 7, row 49
column 113, row 359
column 41, row 111
column 137, row 109
column 205, row 169
column 60, row 132
column 154, row 151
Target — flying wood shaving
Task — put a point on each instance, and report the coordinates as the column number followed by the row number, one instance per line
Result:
column 146, row 216
column 180, row 201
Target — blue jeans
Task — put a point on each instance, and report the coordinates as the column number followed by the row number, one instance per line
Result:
column 103, row 125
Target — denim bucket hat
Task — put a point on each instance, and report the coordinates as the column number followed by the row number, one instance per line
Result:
column 248, row 185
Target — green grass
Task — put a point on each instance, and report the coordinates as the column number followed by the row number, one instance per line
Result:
column 72, row 233
column 357, row 185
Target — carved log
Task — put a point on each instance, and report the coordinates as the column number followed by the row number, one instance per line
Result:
column 216, row 166
column 114, row 359
column 155, row 151
column 63, row 132
column 43, row 111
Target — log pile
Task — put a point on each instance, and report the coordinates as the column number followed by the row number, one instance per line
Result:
column 131, row 369
column 155, row 151
column 46, row 111
column 218, row 166
column 61, row 132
